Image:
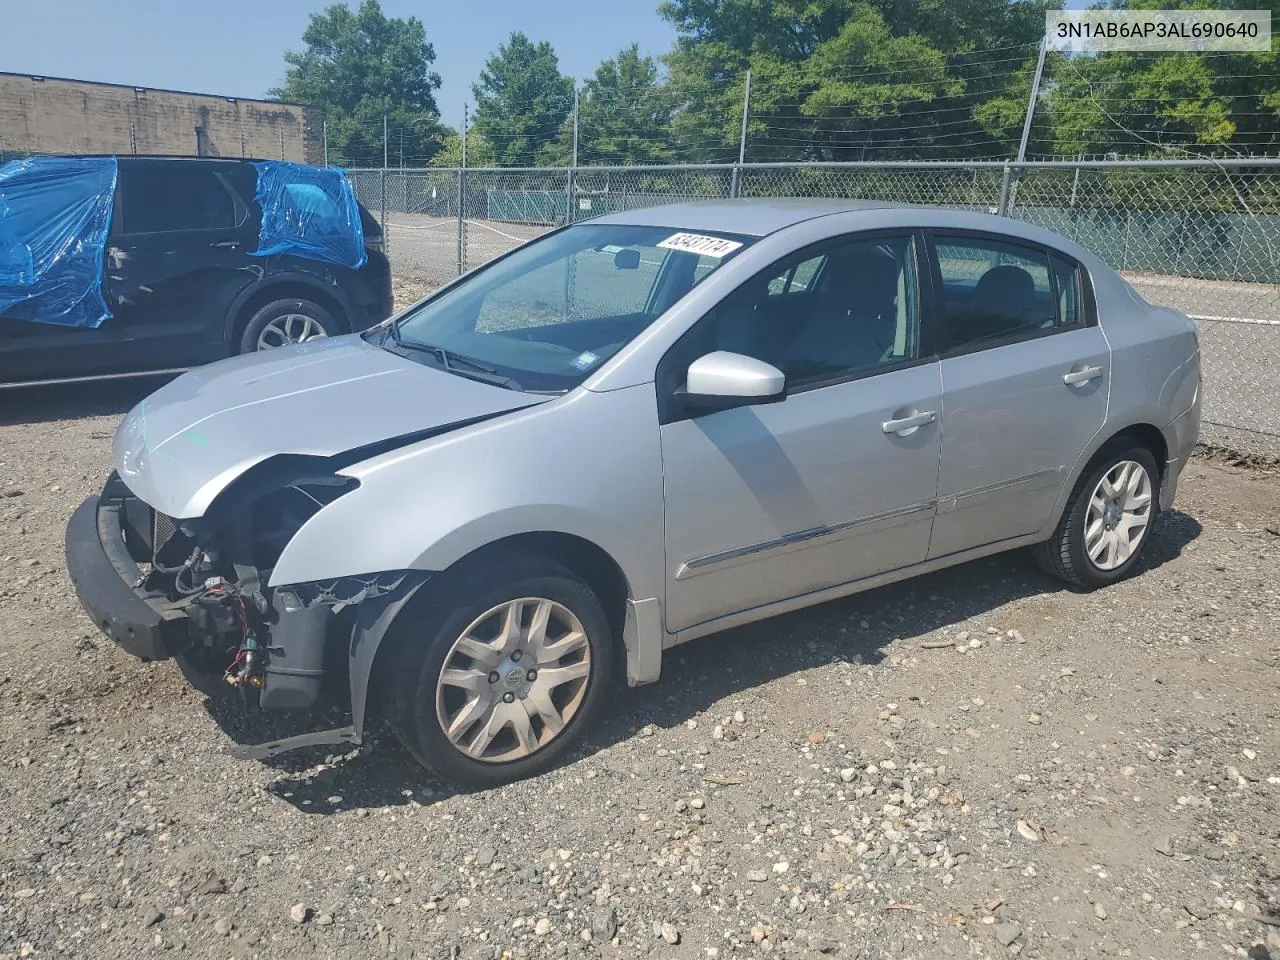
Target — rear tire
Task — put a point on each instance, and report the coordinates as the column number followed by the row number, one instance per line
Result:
column 287, row 321
column 1106, row 525
column 483, row 622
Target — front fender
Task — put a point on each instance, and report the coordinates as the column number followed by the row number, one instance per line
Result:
column 588, row 465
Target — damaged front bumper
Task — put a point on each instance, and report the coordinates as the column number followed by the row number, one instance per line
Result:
column 108, row 585
column 294, row 632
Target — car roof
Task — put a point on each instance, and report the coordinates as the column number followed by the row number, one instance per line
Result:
column 147, row 157
column 760, row 217
column 755, row 217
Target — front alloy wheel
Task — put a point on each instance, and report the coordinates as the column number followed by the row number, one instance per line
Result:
column 513, row 680
column 497, row 667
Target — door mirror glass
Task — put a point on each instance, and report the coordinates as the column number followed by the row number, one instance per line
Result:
column 722, row 379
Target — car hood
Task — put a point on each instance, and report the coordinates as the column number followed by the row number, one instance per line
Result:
column 180, row 447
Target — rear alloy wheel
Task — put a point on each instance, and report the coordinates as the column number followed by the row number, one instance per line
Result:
column 291, row 328
column 1118, row 515
column 1108, row 521
column 497, row 669
column 284, row 322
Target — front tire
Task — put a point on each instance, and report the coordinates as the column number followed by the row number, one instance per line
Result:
column 1108, row 520
column 499, row 670
column 282, row 322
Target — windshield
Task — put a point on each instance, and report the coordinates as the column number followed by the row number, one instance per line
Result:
column 547, row 316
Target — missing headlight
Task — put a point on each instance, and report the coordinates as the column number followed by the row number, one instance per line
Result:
column 276, row 516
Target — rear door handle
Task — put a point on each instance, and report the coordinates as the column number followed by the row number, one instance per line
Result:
column 226, row 244
column 908, row 424
column 1083, row 375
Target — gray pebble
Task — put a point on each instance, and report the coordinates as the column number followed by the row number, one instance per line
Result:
column 1006, row 933
column 604, row 923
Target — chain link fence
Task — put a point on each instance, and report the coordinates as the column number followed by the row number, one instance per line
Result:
column 1200, row 236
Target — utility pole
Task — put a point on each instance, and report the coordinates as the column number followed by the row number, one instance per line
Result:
column 573, row 163
column 735, row 188
column 386, row 236
column 324, row 135
column 1026, row 124
column 575, row 124
column 1031, row 103
column 462, row 183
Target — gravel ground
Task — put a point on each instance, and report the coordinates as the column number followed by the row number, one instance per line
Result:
column 975, row 764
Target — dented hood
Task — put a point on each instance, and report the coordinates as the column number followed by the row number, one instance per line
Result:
column 181, row 446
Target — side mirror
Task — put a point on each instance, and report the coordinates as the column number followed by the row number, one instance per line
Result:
column 626, row 259
column 721, row 380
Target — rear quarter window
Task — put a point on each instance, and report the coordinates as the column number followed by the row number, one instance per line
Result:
column 369, row 224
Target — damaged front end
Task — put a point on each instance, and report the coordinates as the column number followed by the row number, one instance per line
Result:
column 196, row 590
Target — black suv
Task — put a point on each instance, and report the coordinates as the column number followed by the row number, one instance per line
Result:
column 183, row 288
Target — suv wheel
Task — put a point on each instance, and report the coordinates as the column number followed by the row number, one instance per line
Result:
column 1108, row 522
column 495, row 680
column 288, row 321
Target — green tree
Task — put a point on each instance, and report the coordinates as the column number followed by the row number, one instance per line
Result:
column 357, row 67
column 522, row 101
column 849, row 79
column 479, row 151
column 1141, row 104
column 1132, row 104
column 624, row 114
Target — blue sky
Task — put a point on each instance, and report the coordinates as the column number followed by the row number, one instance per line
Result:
column 236, row 47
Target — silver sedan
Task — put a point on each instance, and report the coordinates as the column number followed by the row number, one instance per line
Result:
column 626, row 434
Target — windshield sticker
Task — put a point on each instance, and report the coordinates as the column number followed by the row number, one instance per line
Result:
column 697, row 243
column 585, row 360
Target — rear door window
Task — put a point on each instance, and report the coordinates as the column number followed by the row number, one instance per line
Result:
column 991, row 291
column 167, row 198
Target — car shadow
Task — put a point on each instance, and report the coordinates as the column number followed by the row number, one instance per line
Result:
column 695, row 676
column 70, row 401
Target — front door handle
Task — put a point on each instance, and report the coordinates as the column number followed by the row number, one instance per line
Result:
column 906, row 425
column 1074, row 378
column 226, row 244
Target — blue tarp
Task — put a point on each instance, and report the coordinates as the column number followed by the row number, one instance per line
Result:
column 54, row 216
column 309, row 212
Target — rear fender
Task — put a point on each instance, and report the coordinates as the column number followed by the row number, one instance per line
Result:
column 289, row 283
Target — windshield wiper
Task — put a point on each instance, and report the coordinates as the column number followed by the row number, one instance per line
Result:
column 460, row 364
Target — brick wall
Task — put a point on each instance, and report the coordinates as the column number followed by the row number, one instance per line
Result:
column 73, row 116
